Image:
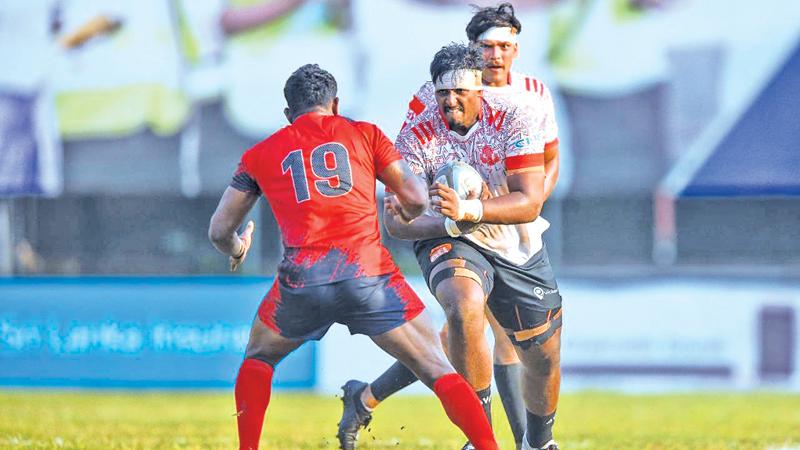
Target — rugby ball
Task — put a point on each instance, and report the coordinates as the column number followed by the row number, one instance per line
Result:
column 460, row 177
column 466, row 181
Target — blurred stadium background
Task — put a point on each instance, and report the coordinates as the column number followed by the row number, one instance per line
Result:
column 675, row 226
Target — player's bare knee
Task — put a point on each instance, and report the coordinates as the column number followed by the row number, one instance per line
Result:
column 268, row 346
column 464, row 315
column 450, row 297
column 262, row 354
column 460, row 299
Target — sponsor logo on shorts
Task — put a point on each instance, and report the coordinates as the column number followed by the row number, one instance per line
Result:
column 540, row 293
column 439, row 250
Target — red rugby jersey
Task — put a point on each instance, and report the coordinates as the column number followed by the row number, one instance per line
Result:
column 318, row 175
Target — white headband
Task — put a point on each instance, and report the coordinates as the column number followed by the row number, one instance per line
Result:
column 502, row 34
column 460, row 79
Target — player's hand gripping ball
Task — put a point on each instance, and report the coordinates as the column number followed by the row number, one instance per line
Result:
column 467, row 184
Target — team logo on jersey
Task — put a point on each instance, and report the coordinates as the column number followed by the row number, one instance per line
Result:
column 439, row 250
column 488, row 157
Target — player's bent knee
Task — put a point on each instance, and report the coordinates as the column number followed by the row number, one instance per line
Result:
column 459, row 297
column 468, row 312
column 267, row 345
column 264, row 356
column 269, row 352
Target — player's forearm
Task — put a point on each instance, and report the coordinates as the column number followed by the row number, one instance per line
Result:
column 413, row 203
column 229, row 215
column 424, row 227
column 226, row 243
column 222, row 234
column 512, row 208
column 409, row 190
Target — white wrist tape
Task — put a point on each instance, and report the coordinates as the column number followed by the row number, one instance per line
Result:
column 451, row 227
column 470, row 210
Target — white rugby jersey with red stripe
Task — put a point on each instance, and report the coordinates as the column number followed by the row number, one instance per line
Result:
column 508, row 138
column 533, row 95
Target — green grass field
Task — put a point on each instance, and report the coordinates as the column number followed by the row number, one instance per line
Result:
column 204, row 420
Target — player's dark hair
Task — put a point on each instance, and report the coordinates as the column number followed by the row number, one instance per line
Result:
column 501, row 15
column 456, row 56
column 309, row 87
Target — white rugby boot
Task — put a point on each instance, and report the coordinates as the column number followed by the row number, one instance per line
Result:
column 550, row 445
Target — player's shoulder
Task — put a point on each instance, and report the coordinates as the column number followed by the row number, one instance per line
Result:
column 426, row 93
column 496, row 101
column 419, row 133
column 502, row 110
column 280, row 135
column 528, row 83
column 358, row 130
column 422, row 109
column 422, row 105
column 360, row 125
column 263, row 147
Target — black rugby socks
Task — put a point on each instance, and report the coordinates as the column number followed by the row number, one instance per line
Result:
column 485, row 396
column 509, row 386
column 392, row 380
column 540, row 429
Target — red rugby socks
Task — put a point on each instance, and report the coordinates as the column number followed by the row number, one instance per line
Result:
column 464, row 409
column 253, row 389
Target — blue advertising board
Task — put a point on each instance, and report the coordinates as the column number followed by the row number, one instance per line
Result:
column 146, row 332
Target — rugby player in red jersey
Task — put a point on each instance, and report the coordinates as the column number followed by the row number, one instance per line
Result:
column 318, row 175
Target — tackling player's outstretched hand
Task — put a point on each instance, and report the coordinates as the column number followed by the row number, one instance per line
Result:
column 247, row 239
column 393, row 207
